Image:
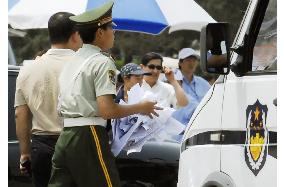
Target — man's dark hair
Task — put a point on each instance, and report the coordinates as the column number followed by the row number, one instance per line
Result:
column 87, row 33
column 60, row 27
column 150, row 56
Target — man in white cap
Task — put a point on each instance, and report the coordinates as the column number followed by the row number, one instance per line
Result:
column 194, row 86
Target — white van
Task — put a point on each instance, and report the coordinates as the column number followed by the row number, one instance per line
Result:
column 231, row 139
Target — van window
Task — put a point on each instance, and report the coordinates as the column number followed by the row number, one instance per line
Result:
column 265, row 50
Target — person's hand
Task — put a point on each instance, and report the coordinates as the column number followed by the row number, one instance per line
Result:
column 24, row 158
column 148, row 108
column 169, row 75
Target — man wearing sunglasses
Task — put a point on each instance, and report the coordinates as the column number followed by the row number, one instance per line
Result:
column 169, row 95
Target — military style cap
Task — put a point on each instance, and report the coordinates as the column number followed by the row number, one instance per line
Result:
column 132, row 69
column 95, row 17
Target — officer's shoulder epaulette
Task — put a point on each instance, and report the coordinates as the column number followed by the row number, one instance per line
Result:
column 107, row 55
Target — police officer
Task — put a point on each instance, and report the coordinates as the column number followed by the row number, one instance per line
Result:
column 87, row 87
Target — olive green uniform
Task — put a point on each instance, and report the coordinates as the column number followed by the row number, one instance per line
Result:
column 82, row 154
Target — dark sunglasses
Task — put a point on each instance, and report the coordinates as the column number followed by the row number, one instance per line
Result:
column 152, row 66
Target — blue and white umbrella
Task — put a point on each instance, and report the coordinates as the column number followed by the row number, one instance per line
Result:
column 148, row 16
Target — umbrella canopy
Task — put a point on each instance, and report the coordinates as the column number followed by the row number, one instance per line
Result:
column 147, row 16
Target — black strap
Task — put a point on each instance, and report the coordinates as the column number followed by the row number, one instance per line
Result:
column 108, row 126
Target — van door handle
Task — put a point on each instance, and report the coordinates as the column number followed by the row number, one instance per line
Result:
column 275, row 101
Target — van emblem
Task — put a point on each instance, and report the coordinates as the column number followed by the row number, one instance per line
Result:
column 256, row 136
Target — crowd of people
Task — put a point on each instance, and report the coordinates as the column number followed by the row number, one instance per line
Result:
column 69, row 93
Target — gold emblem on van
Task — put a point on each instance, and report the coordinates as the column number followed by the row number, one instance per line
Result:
column 256, row 137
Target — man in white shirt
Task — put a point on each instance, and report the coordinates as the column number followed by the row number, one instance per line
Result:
column 168, row 95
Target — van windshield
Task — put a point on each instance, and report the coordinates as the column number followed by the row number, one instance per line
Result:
column 265, row 50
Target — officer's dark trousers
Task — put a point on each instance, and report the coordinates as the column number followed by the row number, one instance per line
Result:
column 83, row 158
column 42, row 149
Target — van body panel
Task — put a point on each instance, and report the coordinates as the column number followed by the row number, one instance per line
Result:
column 200, row 169
column 210, row 102
column 243, row 91
column 240, row 94
column 203, row 167
column 236, row 167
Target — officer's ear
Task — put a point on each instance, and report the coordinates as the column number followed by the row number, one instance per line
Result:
column 99, row 33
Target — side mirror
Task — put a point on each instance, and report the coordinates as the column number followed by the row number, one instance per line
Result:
column 214, row 48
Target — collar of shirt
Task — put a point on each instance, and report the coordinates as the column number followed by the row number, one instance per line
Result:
column 60, row 52
column 90, row 46
column 148, row 87
column 87, row 50
column 185, row 80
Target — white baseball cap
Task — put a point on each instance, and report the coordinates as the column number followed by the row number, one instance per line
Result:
column 187, row 52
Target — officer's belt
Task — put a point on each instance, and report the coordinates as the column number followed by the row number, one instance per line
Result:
column 75, row 122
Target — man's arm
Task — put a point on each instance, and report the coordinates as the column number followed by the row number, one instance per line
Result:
column 23, row 118
column 180, row 94
column 111, row 110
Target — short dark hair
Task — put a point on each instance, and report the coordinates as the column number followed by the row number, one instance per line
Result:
column 87, row 33
column 150, row 56
column 60, row 27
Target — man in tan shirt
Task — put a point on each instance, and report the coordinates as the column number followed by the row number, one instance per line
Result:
column 36, row 99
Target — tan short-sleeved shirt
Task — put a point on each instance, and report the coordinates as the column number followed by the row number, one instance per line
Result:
column 165, row 93
column 89, row 75
column 37, row 87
